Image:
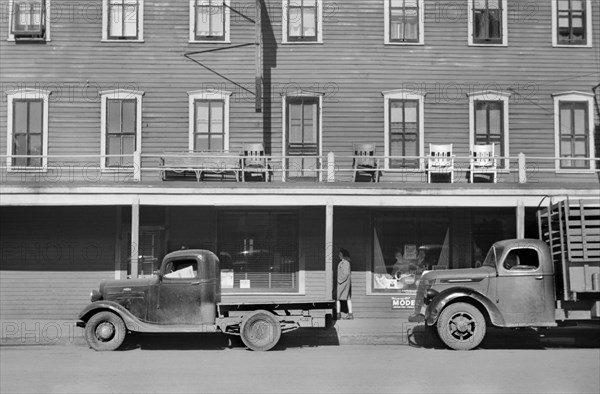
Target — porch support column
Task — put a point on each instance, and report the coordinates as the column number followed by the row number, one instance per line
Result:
column 520, row 219
column 135, row 236
column 329, row 250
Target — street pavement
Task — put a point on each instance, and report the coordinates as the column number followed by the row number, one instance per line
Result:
column 338, row 359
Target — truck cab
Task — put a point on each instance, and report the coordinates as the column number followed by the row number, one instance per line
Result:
column 514, row 287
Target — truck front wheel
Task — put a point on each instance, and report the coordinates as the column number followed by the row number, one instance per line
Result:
column 260, row 330
column 461, row 326
column 105, row 331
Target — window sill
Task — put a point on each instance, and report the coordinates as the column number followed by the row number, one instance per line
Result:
column 33, row 41
column 123, row 41
column 209, row 41
column 421, row 43
column 575, row 171
column 26, row 169
column 302, row 42
column 572, row 45
column 480, row 44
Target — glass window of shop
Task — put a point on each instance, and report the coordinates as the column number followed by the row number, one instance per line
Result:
column 406, row 244
column 487, row 227
column 258, row 251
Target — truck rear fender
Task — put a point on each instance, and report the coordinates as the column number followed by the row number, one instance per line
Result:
column 131, row 322
column 450, row 296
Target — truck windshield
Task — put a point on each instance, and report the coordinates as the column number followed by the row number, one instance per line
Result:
column 491, row 258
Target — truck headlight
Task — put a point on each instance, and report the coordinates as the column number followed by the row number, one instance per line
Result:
column 95, row 296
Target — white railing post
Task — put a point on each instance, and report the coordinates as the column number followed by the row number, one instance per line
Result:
column 137, row 166
column 283, row 170
column 522, row 168
column 330, row 167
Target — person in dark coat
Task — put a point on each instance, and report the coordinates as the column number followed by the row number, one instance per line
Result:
column 344, row 283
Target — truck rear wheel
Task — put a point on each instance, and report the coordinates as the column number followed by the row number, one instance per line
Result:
column 260, row 330
column 105, row 331
column 461, row 326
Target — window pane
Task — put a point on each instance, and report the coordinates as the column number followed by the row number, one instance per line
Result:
column 295, row 22
column 309, row 22
column 565, row 148
column 113, row 147
column 480, row 121
column 202, row 21
column 20, row 144
column 128, row 148
column 20, row 118
column 201, row 142
column 563, row 4
column 577, row 5
column 396, row 111
column 35, row 116
column 216, row 142
column 565, row 121
column 295, row 122
column 201, row 117
column 35, row 148
column 113, row 113
column 495, row 121
column 115, row 21
column 580, row 148
column 130, row 25
column 216, row 21
column 579, row 116
column 129, row 116
column 310, row 124
column 216, row 117
column 410, row 112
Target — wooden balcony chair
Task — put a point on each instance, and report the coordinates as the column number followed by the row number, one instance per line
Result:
column 483, row 161
column 440, row 161
column 364, row 163
column 255, row 162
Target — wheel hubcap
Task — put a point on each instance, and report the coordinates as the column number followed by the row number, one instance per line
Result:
column 105, row 331
column 260, row 332
column 462, row 326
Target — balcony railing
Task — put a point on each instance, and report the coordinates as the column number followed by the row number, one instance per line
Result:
column 281, row 168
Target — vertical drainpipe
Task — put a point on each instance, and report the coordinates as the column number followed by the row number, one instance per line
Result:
column 135, row 236
column 329, row 250
column 520, row 219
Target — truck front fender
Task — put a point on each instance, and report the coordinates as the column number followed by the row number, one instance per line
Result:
column 131, row 322
column 449, row 296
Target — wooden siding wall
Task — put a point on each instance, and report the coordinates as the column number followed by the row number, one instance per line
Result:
column 351, row 68
column 52, row 258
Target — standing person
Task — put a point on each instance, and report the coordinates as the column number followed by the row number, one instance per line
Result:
column 344, row 283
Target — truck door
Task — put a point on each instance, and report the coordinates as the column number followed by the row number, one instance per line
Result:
column 178, row 293
column 522, row 288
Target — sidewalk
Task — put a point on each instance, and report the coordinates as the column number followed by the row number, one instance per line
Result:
column 340, row 332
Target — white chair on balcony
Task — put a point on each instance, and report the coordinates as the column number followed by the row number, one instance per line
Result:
column 483, row 161
column 440, row 161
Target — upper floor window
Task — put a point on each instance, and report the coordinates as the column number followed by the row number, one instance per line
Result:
column 488, row 123
column 27, row 130
column 573, row 128
column 572, row 23
column 403, row 128
column 404, row 21
column 29, row 20
column 121, row 128
column 302, row 21
column 123, row 20
column 209, row 120
column 209, row 20
column 488, row 22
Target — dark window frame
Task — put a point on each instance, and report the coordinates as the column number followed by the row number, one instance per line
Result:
column 31, row 162
column 404, row 22
column 28, row 33
column 210, row 6
column 404, row 163
column 489, row 137
column 123, row 5
column 482, row 20
column 209, row 132
column 122, row 134
column 572, row 137
column 300, row 5
column 570, row 13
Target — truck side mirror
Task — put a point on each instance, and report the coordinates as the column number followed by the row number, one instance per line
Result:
column 158, row 274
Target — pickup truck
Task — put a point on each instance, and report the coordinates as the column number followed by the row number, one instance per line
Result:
column 522, row 282
column 185, row 297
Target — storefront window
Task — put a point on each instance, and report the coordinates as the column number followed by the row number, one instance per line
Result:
column 488, row 227
column 405, row 245
column 258, row 251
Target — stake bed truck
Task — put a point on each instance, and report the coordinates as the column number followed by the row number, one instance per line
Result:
column 522, row 282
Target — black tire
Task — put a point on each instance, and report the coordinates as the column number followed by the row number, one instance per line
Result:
column 461, row 326
column 260, row 330
column 105, row 331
